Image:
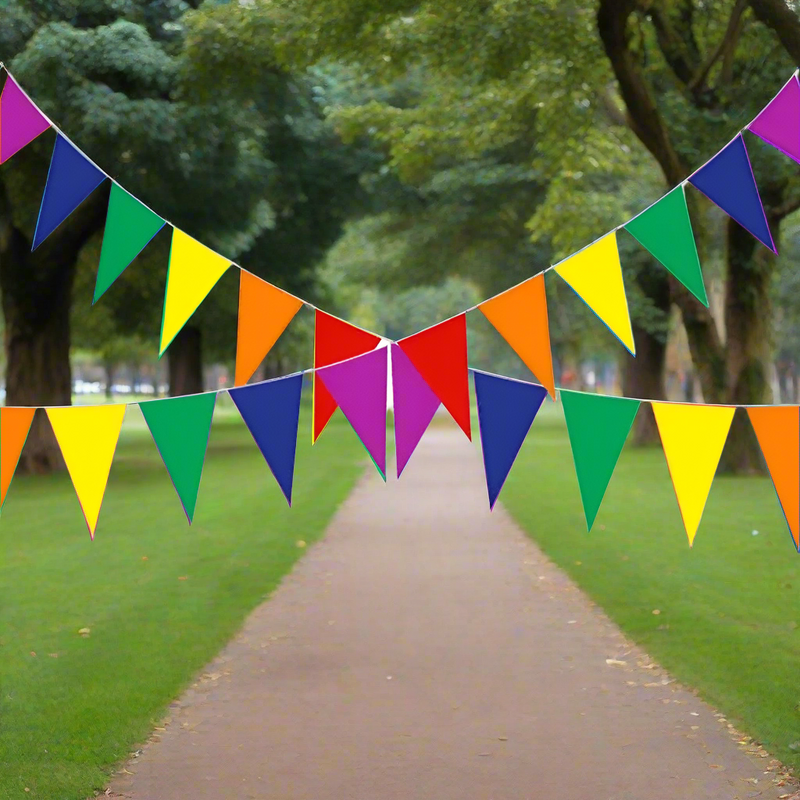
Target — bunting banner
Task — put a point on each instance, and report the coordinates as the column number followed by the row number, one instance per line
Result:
column 727, row 180
column 693, row 437
column 71, row 179
column 264, row 312
column 429, row 368
column 520, row 317
column 506, row 410
column 193, row 272
column 678, row 251
column 334, row 340
column 130, row 225
column 779, row 123
column 271, row 412
column 595, row 275
column 439, row 354
column 87, row 436
column 15, row 423
column 598, row 426
column 358, row 386
column 413, row 405
column 20, row 121
column 180, row 427
column 778, row 431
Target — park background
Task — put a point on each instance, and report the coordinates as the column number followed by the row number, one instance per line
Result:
column 394, row 163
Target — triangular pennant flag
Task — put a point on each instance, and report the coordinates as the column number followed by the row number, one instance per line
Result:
column 180, row 427
column 693, row 437
column 264, row 312
column 271, row 411
column 778, row 432
column 598, row 426
column 20, row 121
column 779, row 123
column 727, row 180
column 665, row 230
column 595, row 275
column 193, row 271
column 334, row 340
column 439, row 354
column 359, row 388
column 130, row 225
column 87, row 436
column 414, row 405
column 14, row 426
column 520, row 317
column 71, row 179
column 506, row 410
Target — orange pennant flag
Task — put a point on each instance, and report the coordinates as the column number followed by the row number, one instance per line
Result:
column 778, row 432
column 334, row 340
column 14, row 426
column 520, row 317
column 264, row 312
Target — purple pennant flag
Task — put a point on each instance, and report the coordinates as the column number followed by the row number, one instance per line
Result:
column 20, row 121
column 358, row 386
column 779, row 123
column 414, row 406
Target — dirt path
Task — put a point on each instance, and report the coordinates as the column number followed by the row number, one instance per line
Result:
column 426, row 650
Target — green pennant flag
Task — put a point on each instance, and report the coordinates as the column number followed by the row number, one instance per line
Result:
column 598, row 426
column 129, row 227
column 665, row 230
column 180, row 427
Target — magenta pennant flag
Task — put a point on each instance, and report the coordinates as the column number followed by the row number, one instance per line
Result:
column 779, row 123
column 358, row 386
column 20, row 121
column 414, row 406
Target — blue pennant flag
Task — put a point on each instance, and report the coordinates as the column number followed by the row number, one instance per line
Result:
column 728, row 181
column 71, row 179
column 506, row 410
column 271, row 411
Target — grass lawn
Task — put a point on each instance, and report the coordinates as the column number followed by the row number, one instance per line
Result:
column 159, row 598
column 729, row 607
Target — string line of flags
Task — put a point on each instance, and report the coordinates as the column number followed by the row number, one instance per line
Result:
column 429, row 368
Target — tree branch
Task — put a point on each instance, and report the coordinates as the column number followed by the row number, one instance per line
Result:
column 642, row 112
column 725, row 48
column 785, row 23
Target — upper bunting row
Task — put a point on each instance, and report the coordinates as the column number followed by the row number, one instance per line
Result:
column 519, row 313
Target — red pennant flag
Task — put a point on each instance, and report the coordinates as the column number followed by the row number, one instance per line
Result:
column 334, row 340
column 440, row 356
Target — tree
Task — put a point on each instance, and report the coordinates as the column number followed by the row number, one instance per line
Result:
column 111, row 76
column 689, row 74
column 247, row 166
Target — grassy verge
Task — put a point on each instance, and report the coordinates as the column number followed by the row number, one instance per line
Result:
column 160, row 598
column 729, row 610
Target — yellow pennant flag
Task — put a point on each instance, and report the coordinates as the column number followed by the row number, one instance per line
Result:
column 693, row 437
column 87, row 436
column 595, row 275
column 193, row 271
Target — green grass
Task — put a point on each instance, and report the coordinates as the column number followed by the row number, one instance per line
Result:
column 729, row 607
column 160, row 598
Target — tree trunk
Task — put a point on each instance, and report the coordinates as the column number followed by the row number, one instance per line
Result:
column 185, row 362
column 109, row 370
column 747, row 325
column 643, row 377
column 36, row 306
